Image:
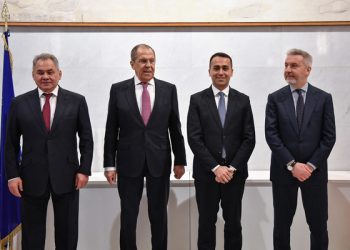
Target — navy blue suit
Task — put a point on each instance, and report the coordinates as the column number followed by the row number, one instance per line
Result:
column 312, row 144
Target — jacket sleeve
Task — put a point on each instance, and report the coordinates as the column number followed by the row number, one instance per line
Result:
column 86, row 143
column 195, row 136
column 328, row 135
column 272, row 132
column 176, row 137
column 248, row 140
column 12, row 143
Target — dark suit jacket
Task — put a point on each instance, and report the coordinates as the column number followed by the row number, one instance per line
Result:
column 129, row 143
column 314, row 142
column 48, row 157
column 206, row 135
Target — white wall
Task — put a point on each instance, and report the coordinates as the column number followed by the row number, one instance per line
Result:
column 100, row 217
column 93, row 58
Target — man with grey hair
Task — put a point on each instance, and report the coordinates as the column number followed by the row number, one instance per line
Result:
column 300, row 130
column 143, row 118
column 48, row 119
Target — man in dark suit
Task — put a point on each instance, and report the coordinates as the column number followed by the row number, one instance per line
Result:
column 300, row 130
column 142, row 112
column 222, row 143
column 48, row 120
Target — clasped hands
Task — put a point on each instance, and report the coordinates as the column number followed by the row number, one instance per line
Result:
column 223, row 174
column 302, row 171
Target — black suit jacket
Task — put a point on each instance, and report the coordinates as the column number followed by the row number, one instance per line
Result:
column 129, row 144
column 206, row 135
column 48, row 157
column 312, row 144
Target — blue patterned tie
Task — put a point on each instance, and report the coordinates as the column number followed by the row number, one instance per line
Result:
column 222, row 108
column 222, row 114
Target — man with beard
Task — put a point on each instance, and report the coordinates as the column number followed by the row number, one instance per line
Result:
column 300, row 130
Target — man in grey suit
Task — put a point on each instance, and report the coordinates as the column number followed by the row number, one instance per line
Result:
column 222, row 143
column 142, row 114
column 48, row 119
column 300, row 130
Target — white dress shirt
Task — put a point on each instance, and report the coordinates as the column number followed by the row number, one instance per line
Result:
column 217, row 98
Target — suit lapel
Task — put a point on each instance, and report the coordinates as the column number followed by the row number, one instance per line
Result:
column 131, row 98
column 232, row 105
column 60, row 107
column 311, row 100
column 34, row 104
column 288, row 103
column 158, row 95
column 210, row 100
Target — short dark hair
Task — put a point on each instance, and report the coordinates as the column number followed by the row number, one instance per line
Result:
column 133, row 53
column 298, row 52
column 46, row 56
column 220, row 54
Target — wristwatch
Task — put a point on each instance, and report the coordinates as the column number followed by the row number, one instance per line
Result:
column 291, row 165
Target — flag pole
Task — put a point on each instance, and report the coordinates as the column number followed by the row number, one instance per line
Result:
column 5, row 14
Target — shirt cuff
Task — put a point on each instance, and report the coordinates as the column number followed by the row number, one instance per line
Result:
column 312, row 165
column 107, row 169
column 232, row 168
column 13, row 179
column 216, row 167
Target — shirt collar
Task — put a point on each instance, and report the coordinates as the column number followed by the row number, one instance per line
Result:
column 216, row 90
column 54, row 92
column 137, row 81
column 304, row 88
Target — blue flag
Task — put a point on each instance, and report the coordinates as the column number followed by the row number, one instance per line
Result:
column 9, row 204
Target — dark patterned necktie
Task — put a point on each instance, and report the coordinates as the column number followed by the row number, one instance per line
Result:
column 300, row 107
column 47, row 111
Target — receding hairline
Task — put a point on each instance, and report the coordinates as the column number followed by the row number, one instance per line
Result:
column 298, row 52
column 133, row 54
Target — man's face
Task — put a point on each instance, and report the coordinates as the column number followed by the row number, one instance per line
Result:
column 46, row 75
column 295, row 71
column 220, row 72
column 144, row 64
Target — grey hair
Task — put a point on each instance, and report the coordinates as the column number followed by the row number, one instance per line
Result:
column 298, row 52
column 46, row 56
column 133, row 53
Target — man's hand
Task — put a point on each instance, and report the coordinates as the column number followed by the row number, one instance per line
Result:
column 302, row 171
column 179, row 171
column 81, row 180
column 16, row 186
column 111, row 176
column 223, row 174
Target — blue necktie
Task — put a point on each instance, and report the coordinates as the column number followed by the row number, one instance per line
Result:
column 222, row 108
column 222, row 114
column 300, row 107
